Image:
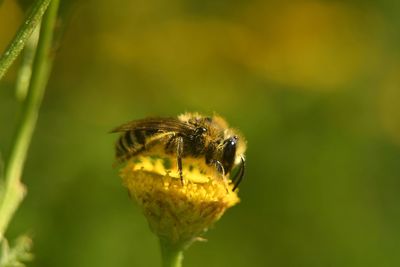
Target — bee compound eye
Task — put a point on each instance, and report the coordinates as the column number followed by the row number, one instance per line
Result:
column 229, row 152
column 231, row 141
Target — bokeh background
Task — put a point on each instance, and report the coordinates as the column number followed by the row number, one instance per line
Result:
column 313, row 85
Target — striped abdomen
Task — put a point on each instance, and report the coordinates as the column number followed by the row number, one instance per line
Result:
column 131, row 143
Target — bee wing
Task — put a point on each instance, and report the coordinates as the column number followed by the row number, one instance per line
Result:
column 159, row 124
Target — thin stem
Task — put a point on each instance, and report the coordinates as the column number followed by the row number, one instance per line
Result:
column 171, row 255
column 20, row 38
column 14, row 190
column 25, row 69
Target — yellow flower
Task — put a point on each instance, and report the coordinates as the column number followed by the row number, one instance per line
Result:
column 178, row 213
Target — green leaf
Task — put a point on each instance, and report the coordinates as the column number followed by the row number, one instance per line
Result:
column 18, row 254
column 31, row 21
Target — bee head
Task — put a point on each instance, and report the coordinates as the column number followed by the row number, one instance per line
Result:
column 229, row 152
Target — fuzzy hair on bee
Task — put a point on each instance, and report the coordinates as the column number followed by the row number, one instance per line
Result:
column 190, row 136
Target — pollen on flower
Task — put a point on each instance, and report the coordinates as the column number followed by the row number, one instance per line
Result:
column 175, row 212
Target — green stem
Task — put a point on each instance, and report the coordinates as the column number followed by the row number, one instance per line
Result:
column 25, row 68
column 20, row 38
column 14, row 190
column 171, row 255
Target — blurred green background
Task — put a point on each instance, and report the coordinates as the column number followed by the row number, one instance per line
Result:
column 313, row 85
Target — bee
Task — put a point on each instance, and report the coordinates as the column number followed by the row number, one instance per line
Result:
column 188, row 136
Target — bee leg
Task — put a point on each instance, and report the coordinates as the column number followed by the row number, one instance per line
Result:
column 179, row 152
column 239, row 175
column 220, row 169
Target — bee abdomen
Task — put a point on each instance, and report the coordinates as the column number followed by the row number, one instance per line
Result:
column 130, row 143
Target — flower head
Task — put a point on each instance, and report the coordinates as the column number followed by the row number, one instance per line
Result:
column 176, row 212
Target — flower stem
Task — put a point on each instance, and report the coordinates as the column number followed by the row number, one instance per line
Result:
column 14, row 191
column 171, row 255
column 22, row 35
column 25, row 68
